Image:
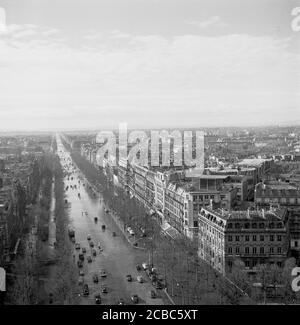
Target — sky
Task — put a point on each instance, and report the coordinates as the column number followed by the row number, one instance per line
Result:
column 89, row 64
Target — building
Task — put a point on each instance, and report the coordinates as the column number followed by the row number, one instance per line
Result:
column 255, row 237
column 281, row 193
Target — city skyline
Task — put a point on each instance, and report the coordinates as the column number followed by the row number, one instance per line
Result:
column 93, row 64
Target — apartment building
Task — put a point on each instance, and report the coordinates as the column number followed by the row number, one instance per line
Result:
column 254, row 237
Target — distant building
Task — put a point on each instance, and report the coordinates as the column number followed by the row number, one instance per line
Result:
column 281, row 193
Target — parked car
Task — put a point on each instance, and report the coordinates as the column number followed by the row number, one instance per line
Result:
column 86, row 291
column 91, row 244
column 135, row 299
column 152, row 294
column 104, row 289
column 79, row 263
column 81, row 257
column 83, row 250
column 138, row 268
column 98, row 299
column 77, row 246
column 114, row 234
column 80, row 281
column 131, row 232
column 89, row 259
column 95, row 278
column 103, row 227
column 95, row 219
column 94, row 252
column 129, row 277
column 81, row 273
column 89, row 237
column 121, row 302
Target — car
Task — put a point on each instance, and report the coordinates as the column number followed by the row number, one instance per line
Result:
column 129, row 277
column 81, row 273
column 81, row 257
column 94, row 252
column 140, row 279
column 80, row 281
column 103, row 274
column 79, row 263
column 77, row 246
column 106, row 210
column 95, row 219
column 158, row 285
column 95, row 278
column 73, row 240
column 121, row 302
column 138, row 268
column 145, row 266
column 98, row 299
column 89, row 259
column 83, row 250
column 104, row 289
column 99, row 245
column 86, row 291
column 131, row 232
column 129, row 229
column 103, row 227
column 91, row 244
column 114, row 234
column 135, row 299
column 89, row 237
column 152, row 294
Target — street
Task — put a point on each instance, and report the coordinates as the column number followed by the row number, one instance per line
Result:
column 118, row 257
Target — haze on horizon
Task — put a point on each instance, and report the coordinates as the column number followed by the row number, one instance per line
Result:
column 90, row 64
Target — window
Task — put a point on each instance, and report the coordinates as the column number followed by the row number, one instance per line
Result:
column 247, row 225
column 229, row 238
column 254, row 238
column 279, row 250
column 254, row 250
column 247, row 250
column 262, row 250
column 261, row 238
column 278, row 237
column 237, row 225
column 247, row 237
column 230, row 225
column 229, row 250
column 237, row 250
column 271, row 237
column 271, row 250
column 247, row 263
column 261, row 225
column 254, row 225
column 237, row 238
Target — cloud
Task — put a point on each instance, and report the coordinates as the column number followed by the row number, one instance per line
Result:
column 194, row 79
column 214, row 21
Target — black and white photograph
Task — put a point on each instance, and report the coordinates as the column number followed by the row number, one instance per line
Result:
column 149, row 155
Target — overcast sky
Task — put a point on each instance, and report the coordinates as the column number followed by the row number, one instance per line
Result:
column 150, row 63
